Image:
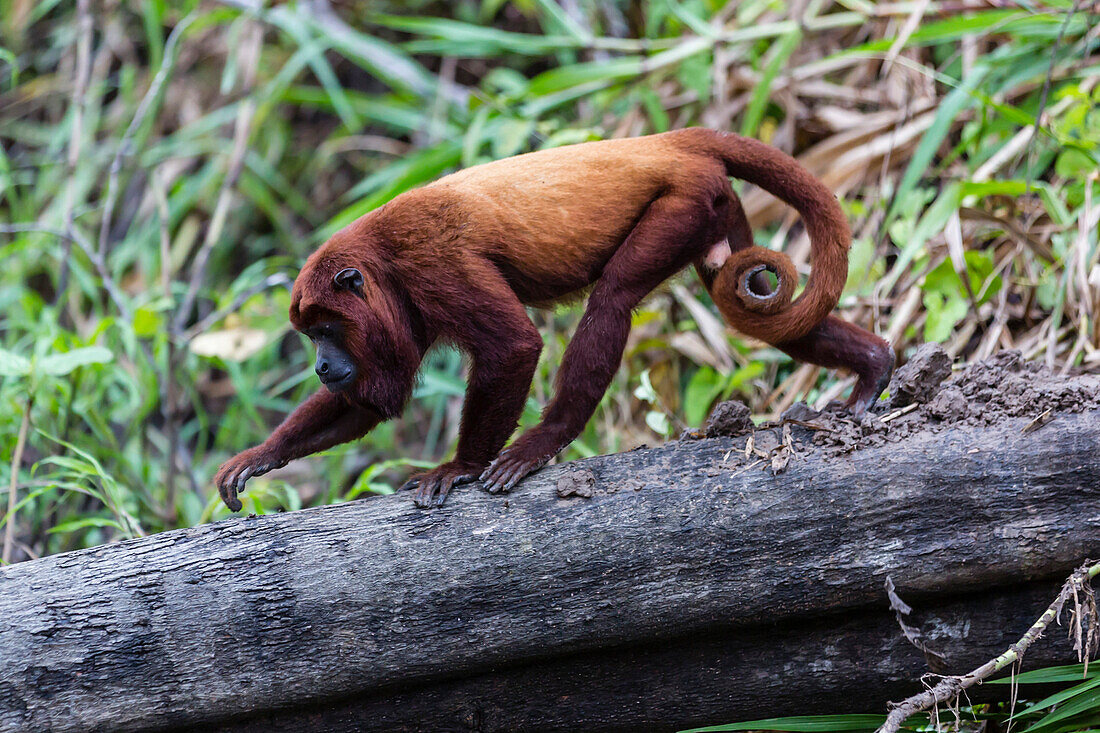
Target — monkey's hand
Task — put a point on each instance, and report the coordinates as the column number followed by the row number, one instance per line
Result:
column 233, row 474
column 433, row 486
column 528, row 454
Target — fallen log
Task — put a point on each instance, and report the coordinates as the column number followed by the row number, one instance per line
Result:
column 699, row 582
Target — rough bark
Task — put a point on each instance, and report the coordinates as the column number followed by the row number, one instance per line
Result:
column 689, row 588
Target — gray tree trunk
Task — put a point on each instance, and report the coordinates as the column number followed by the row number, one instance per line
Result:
column 692, row 587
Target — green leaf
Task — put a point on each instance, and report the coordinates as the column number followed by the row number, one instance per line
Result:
column 1059, row 697
column 981, row 189
column 83, row 523
column 1064, row 673
column 1074, row 164
column 511, row 137
column 393, row 180
column 861, row 263
column 803, row 724
column 705, row 385
column 565, row 77
column 979, row 271
column 959, row 99
column 1087, row 702
column 658, row 422
column 147, row 322
column 65, row 362
column 944, row 312
column 780, row 51
column 465, row 38
column 934, row 219
column 13, row 365
column 744, row 375
column 654, row 109
column 1052, row 201
column 367, row 481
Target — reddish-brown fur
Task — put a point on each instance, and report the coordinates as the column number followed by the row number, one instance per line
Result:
column 457, row 261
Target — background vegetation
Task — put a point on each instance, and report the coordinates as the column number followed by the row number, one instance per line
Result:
column 166, row 166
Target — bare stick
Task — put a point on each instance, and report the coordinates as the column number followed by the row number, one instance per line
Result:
column 268, row 282
column 250, row 53
column 168, row 394
column 98, row 262
column 1046, row 84
column 144, row 107
column 16, row 459
column 949, row 688
column 76, row 136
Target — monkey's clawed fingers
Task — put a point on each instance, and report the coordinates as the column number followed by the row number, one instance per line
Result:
column 433, row 486
column 236, row 471
column 509, row 468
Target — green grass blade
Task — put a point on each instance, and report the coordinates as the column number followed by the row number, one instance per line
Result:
column 802, row 724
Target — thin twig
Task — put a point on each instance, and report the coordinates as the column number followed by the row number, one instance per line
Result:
column 144, row 107
column 1046, row 88
column 911, row 24
column 898, row 413
column 86, row 246
column 168, row 395
column 949, row 688
column 271, row 281
column 16, row 460
column 76, row 135
column 902, row 609
column 250, row 53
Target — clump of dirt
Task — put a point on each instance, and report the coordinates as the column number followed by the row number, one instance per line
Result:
column 729, row 419
column 999, row 388
column 1006, row 386
column 799, row 411
column 579, row 482
column 920, row 378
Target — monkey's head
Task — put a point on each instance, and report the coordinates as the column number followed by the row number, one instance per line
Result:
column 361, row 327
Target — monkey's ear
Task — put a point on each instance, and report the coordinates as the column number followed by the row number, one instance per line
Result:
column 348, row 279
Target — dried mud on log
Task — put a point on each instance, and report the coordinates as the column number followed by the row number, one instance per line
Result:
column 702, row 581
column 924, row 397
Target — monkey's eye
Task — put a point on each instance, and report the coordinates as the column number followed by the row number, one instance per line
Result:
column 348, row 279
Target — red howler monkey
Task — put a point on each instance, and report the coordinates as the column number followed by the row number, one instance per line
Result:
column 457, row 261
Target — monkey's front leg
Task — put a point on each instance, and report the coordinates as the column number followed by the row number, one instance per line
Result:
column 504, row 347
column 497, row 391
column 322, row 421
column 587, row 368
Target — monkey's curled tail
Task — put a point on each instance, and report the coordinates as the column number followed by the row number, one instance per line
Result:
column 773, row 317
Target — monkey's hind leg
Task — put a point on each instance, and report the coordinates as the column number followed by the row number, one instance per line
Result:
column 836, row 343
column 660, row 245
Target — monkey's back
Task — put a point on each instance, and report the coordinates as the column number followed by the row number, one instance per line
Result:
column 556, row 215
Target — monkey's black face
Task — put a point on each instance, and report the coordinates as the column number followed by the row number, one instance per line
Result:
column 364, row 337
column 334, row 366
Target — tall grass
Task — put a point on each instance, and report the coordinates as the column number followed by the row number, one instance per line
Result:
column 165, row 167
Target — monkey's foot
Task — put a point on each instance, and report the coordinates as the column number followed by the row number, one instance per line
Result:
column 513, row 463
column 433, row 486
column 870, row 385
column 233, row 474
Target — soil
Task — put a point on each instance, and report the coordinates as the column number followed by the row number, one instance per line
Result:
column 924, row 396
column 920, row 378
column 729, row 418
column 577, row 482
